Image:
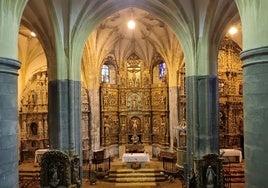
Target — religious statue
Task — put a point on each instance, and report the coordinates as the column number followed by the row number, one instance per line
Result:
column 134, row 125
column 34, row 129
column 134, row 103
column 134, row 79
column 107, row 127
column 146, row 125
column 135, row 137
column 54, row 180
column 163, row 126
column 210, row 175
column 75, row 168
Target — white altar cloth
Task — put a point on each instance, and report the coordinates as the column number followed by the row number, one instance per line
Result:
column 136, row 157
column 232, row 153
column 38, row 155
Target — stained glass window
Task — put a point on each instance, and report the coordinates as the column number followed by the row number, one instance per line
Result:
column 105, row 74
column 162, row 70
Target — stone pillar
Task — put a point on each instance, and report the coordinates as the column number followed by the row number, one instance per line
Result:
column 173, row 113
column 64, row 117
column 255, row 97
column 9, row 122
column 202, row 119
column 95, row 119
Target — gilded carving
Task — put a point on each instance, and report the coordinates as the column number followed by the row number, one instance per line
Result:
column 33, row 114
column 137, row 96
column 135, row 125
column 134, row 102
column 230, row 95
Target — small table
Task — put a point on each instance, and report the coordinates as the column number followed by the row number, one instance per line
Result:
column 134, row 158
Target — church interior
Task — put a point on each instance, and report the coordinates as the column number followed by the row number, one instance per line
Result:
column 132, row 91
column 133, row 83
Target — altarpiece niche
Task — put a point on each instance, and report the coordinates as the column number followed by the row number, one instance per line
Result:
column 134, row 105
column 33, row 117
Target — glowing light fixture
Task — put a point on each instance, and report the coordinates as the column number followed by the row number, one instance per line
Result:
column 232, row 30
column 33, row 34
column 131, row 24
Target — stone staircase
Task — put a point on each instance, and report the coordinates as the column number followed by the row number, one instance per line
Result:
column 136, row 177
column 235, row 172
column 29, row 178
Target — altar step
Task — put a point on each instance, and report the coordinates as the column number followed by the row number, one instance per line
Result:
column 236, row 172
column 29, row 178
column 136, row 176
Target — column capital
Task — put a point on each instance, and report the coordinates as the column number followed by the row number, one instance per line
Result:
column 9, row 66
column 254, row 56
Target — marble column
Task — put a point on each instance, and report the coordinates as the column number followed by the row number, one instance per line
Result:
column 9, row 122
column 255, row 97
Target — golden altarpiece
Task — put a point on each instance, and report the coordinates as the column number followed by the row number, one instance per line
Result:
column 137, row 102
column 33, row 112
column 230, row 98
column 230, row 95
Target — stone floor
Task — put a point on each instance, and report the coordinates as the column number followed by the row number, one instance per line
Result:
column 118, row 164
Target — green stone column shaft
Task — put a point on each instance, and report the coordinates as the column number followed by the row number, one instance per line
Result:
column 202, row 117
column 255, row 95
column 64, row 117
column 9, row 123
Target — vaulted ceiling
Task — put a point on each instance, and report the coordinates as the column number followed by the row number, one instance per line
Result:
column 150, row 35
column 111, row 36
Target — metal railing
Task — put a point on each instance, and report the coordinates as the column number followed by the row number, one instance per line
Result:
column 99, row 168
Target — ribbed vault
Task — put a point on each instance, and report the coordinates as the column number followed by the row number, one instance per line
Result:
column 64, row 27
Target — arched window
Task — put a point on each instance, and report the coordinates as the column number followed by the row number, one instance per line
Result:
column 108, row 72
column 105, row 74
column 162, row 70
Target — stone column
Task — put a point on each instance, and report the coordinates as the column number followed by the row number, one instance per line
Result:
column 173, row 113
column 255, row 90
column 64, row 117
column 255, row 97
column 9, row 122
column 95, row 119
column 202, row 118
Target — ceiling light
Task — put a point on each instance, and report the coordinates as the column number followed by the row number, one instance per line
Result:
column 232, row 30
column 131, row 24
column 33, row 34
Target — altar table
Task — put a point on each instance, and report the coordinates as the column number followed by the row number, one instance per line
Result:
column 135, row 160
column 136, row 157
column 38, row 155
column 231, row 155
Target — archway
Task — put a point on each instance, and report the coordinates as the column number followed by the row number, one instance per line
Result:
column 187, row 34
